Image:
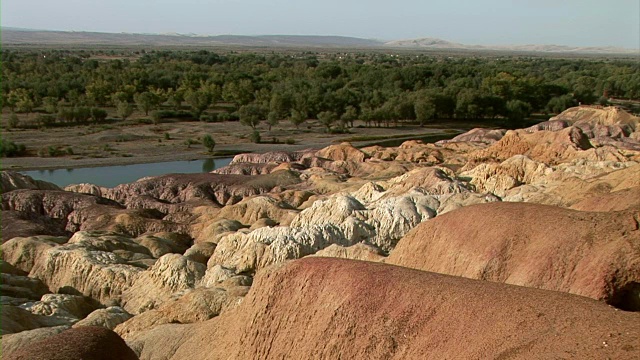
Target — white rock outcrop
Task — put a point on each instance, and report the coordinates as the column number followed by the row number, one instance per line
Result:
column 170, row 274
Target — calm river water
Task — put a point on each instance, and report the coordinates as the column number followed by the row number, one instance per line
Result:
column 110, row 176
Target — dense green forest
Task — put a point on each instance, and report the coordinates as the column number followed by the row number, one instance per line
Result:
column 68, row 87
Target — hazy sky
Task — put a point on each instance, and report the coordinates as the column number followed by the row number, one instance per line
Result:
column 491, row 22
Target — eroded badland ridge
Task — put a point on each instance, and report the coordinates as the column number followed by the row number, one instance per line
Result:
column 495, row 244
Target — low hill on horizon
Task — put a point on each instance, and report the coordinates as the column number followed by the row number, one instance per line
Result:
column 13, row 36
column 19, row 36
column 434, row 43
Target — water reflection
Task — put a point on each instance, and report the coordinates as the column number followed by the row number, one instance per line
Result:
column 208, row 165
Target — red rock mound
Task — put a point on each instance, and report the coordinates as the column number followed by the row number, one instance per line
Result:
column 486, row 136
column 597, row 115
column 222, row 189
column 615, row 201
column 342, row 152
column 544, row 146
column 321, row 308
column 90, row 342
column 585, row 253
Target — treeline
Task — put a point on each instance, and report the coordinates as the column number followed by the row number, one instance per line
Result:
column 76, row 86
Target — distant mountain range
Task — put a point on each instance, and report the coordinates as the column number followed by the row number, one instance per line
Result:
column 17, row 36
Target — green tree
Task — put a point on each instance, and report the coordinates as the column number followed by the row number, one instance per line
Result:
column 81, row 114
column 467, row 104
column 518, row 110
column 559, row 104
column 280, row 103
column 350, row 115
column 98, row 115
column 425, row 109
column 238, row 92
column 297, row 118
column 251, row 115
column 255, row 137
column 208, row 142
column 272, row 119
column 117, row 97
column 50, row 104
column 9, row 148
column 13, row 121
column 124, row 109
column 98, row 91
column 156, row 116
column 198, row 100
column 21, row 100
column 176, row 98
column 327, row 119
column 146, row 101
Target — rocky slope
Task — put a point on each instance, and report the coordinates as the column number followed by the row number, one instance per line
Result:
column 592, row 254
column 333, row 308
column 167, row 261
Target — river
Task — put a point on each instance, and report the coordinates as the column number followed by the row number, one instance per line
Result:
column 110, row 176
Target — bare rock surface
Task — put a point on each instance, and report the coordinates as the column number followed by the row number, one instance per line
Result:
column 22, row 224
column 515, row 171
column 614, row 201
column 342, row 152
column 24, row 252
column 85, row 188
column 163, row 243
column 572, row 188
column 7, row 268
column 433, row 180
column 53, row 204
column 15, row 319
column 49, row 212
column 452, row 202
column 107, row 242
column 330, row 308
column 65, row 307
column 89, row 342
column 544, row 146
column 200, row 252
column 408, row 153
column 222, row 189
column 244, row 168
column 20, row 286
column 11, row 180
column 248, row 252
column 12, row 342
column 252, row 209
column 480, row 135
column 549, row 125
column 212, row 231
column 108, row 318
column 359, row 251
column 610, row 115
column 268, row 157
column 170, row 274
column 535, row 246
column 193, row 306
column 84, row 270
